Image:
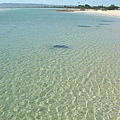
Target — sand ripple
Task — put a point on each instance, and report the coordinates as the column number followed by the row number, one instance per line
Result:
column 79, row 83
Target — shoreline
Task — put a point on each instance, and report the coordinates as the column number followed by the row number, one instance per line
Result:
column 115, row 13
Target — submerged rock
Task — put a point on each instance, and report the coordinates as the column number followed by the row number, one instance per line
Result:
column 60, row 46
column 103, row 24
column 84, row 26
column 98, row 26
column 107, row 21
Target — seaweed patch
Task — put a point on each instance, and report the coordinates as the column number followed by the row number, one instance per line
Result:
column 60, row 46
column 107, row 21
column 98, row 26
column 84, row 26
column 104, row 24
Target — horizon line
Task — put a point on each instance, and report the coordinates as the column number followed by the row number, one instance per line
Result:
column 57, row 4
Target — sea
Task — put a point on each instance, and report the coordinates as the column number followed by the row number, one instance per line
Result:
column 59, row 65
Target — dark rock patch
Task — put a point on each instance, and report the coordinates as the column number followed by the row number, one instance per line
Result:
column 103, row 24
column 107, row 21
column 61, row 46
column 98, row 26
column 86, row 26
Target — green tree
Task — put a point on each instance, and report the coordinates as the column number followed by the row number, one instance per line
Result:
column 87, row 6
column 112, row 7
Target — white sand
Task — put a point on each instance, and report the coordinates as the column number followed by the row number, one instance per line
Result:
column 108, row 12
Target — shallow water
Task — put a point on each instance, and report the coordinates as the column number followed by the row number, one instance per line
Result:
column 40, row 81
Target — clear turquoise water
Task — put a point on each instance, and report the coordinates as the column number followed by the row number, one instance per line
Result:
column 40, row 82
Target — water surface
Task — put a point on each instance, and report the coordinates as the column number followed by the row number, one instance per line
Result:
column 39, row 81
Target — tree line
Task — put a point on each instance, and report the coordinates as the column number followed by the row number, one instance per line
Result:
column 100, row 7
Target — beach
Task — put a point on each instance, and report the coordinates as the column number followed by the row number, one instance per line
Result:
column 91, row 11
column 108, row 12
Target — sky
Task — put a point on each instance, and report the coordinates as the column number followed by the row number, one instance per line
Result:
column 66, row 2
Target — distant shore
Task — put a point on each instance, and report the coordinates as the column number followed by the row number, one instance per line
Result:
column 87, row 11
column 91, row 11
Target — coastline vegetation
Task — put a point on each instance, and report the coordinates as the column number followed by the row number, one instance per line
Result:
column 80, row 7
column 100, row 7
column 87, row 7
